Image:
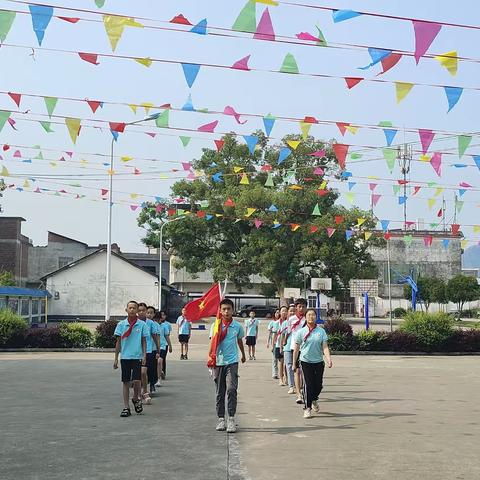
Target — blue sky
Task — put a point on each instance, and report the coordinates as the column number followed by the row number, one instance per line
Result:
column 124, row 81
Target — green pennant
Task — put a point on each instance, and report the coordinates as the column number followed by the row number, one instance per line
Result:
column 50, row 103
column 433, row 225
column 321, row 42
column 385, row 123
column 6, row 21
column 289, row 64
column 203, row 203
column 316, row 210
column 407, row 239
column 77, row 185
column 390, row 154
column 396, row 189
column 185, row 140
column 350, row 196
column 162, row 119
column 431, row 184
column 4, row 116
column 246, row 20
column 39, row 156
column 202, row 110
column 46, row 127
column 355, row 156
column 269, row 182
column 463, row 143
column 99, row 3
column 459, row 205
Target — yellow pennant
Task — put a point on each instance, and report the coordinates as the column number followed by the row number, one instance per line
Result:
column 293, row 143
column 83, row 162
column 368, row 235
column 296, row 187
column 431, row 202
column 237, row 169
column 133, row 107
column 305, row 129
column 73, row 125
column 4, row 172
column 351, row 129
column 162, row 176
column 114, row 26
column 424, row 158
column 146, row 62
column 126, row 158
column 272, row 3
column 26, row 184
column 438, row 191
column 244, row 180
column 372, row 177
column 147, row 106
column 449, row 60
column 250, row 211
column 360, row 221
column 402, row 89
column 464, row 244
column 111, row 172
column 133, row 195
column 53, row 164
column 476, row 228
column 323, row 185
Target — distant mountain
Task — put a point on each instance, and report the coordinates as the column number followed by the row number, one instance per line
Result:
column 471, row 257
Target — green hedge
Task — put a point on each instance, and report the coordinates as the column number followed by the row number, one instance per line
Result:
column 12, row 329
column 432, row 330
column 75, row 335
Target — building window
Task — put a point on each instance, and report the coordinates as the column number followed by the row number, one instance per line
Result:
column 25, row 307
column 62, row 261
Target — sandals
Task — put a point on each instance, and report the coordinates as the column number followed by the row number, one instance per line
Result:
column 137, row 404
column 147, row 399
column 126, row 412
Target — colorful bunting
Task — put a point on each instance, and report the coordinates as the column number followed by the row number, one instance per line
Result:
column 268, row 123
column 425, row 33
column 244, row 179
column 41, row 16
column 264, row 29
column 426, row 137
column 389, row 62
column 375, row 198
column 388, row 132
column 269, row 181
column 251, row 141
column 330, row 231
column 402, row 90
column 342, row 15
column 449, row 60
column 114, row 26
column 476, row 158
column 341, row 152
column 6, row 21
column 390, row 155
column 283, row 155
column 162, row 120
column 89, row 58
column 200, row 28
column 73, row 126
column 16, row 97
column 246, row 20
column 180, row 20
column 289, row 64
column 146, row 62
column 352, row 81
column 453, row 96
column 436, row 162
column 242, row 64
column 209, row 127
column 463, row 143
column 46, row 126
column 190, row 70
column 385, row 224
column 377, row 55
column 231, row 111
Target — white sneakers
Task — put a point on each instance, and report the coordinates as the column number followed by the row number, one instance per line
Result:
column 315, row 406
column 158, row 384
column 221, row 425
column 307, row 413
column 299, row 399
column 291, row 391
column 230, row 427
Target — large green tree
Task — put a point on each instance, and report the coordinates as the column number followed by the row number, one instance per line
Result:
column 431, row 289
column 293, row 209
column 7, row 279
column 462, row 289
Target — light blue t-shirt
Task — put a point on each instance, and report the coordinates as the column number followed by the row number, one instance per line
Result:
column 251, row 327
column 311, row 350
column 153, row 329
column 131, row 346
column 165, row 329
column 184, row 326
column 291, row 332
column 227, row 352
column 281, row 328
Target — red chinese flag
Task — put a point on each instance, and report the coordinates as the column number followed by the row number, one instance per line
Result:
column 205, row 306
column 215, row 341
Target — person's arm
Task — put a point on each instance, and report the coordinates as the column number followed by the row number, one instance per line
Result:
column 269, row 336
column 326, row 352
column 144, row 351
column 169, row 343
column 296, row 351
column 156, row 339
column 242, row 349
column 117, row 351
column 256, row 331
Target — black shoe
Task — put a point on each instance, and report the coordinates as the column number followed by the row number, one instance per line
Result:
column 185, row 357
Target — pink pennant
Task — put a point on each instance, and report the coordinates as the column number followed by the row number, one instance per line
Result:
column 465, row 185
column 340, row 151
column 375, row 199
column 306, row 36
column 330, row 231
column 61, row 159
column 425, row 33
column 191, row 176
column 258, row 223
column 208, row 127
column 186, row 165
column 318, row 153
column 133, row 207
column 372, row 186
column 136, row 171
column 319, row 171
column 17, row 154
column 436, row 163
column 70, row 154
column 427, row 240
column 265, row 28
column 37, row 190
column 416, row 189
column 150, row 134
column 242, row 64
column 89, row 57
column 352, row 81
column 426, row 137
column 16, row 97
column 231, row 111
column 389, row 62
column 104, row 191
column 94, row 104
column 70, row 19
column 12, row 122
column 159, row 208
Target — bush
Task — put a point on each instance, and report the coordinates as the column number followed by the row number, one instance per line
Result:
column 337, row 326
column 104, row 335
column 398, row 342
column 432, row 331
column 341, row 342
column 399, row 312
column 75, row 335
column 368, row 340
column 464, row 341
column 12, row 329
column 43, row 338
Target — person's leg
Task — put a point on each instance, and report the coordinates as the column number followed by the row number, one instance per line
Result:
column 232, row 386
column 274, row 365
column 319, row 369
column 186, row 350
column 136, row 389
column 308, row 372
column 253, row 349
column 164, row 364
column 144, row 379
column 220, row 383
column 126, row 394
column 281, row 372
column 298, row 382
column 288, row 355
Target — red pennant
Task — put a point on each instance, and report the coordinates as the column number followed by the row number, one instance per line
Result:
column 94, row 104
column 229, row 203
column 104, row 191
column 402, row 182
column 266, row 167
column 455, row 228
column 313, row 229
column 310, row 120
column 338, row 219
column 341, row 153
column 390, row 61
column 6, row 147
column 427, row 240
column 322, row 193
column 171, row 212
column 89, row 57
column 16, row 97
column 352, row 81
column 387, row 236
column 201, row 214
column 180, row 19
column 117, row 127
column 69, row 19
column 440, row 213
column 219, row 144
column 416, row 190
column 342, row 127
column 136, row 171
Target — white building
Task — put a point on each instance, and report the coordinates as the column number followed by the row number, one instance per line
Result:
column 78, row 289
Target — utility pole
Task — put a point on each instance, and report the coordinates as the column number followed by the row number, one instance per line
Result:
column 404, row 157
column 455, row 209
column 444, row 214
column 2, row 188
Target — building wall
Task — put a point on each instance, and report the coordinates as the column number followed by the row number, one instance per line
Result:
column 14, row 249
column 150, row 261
column 81, row 288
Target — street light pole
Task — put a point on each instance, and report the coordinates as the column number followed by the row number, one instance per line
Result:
column 108, row 273
column 389, row 285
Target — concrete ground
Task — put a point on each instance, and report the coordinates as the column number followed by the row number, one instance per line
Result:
column 381, row 417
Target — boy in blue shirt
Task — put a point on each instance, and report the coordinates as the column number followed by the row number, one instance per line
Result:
column 184, row 332
column 131, row 336
column 153, row 347
column 225, row 373
column 165, row 346
column 251, row 327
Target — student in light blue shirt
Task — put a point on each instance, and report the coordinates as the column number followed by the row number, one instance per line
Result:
column 165, row 345
column 131, row 344
column 251, row 328
column 272, row 330
column 311, row 345
column 184, row 332
column 153, row 347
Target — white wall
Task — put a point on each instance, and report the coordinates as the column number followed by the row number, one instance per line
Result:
column 82, row 287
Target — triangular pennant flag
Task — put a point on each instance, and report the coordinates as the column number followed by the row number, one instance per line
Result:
column 246, row 20
column 431, row 202
column 426, row 137
column 242, row 64
column 313, row 229
column 316, row 210
column 368, row 235
column 388, row 132
column 342, row 15
column 360, row 221
column 463, row 143
column 185, row 140
column 294, row 227
column 459, row 205
column 342, row 127
column 293, row 143
column 350, row 196
column 269, row 182
column 219, row 144
column 348, row 234
column 289, row 64
column 272, row 208
column 385, row 224
column 208, row 127
column 476, row 228
column 352, row 81
column 16, row 97
column 117, row 126
column 244, row 180
column 190, row 70
column 229, row 202
column 265, row 28
column 258, row 223
column 402, row 199
column 436, row 162
column 146, row 62
column 114, row 26
column 89, row 57
column 321, row 41
column 375, row 199
column 341, row 152
column 445, row 242
column 4, row 116
column 283, row 154
column 251, row 141
column 231, row 111
column 94, row 105
column 453, row 96
column 389, row 62
column 476, row 158
column 237, row 169
column 4, row 172
column 73, row 125
column 425, row 33
column 188, row 107
column 6, row 21
column 427, row 240
column 402, row 90
column 455, row 228
column 351, row 185
column 162, row 120
column 50, row 103
column 99, row 3
column 305, row 129
column 180, row 20
column 268, row 123
column 250, row 212
column 41, row 16
column 338, row 219
column 390, row 154
column 330, row 232
column 449, row 60
column 377, row 55
column 396, row 189
column 438, row 191
column 46, row 126
column 407, row 239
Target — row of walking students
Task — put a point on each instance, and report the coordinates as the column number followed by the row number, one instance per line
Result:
column 300, row 351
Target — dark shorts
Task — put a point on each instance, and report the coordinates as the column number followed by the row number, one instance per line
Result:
column 251, row 341
column 131, row 370
column 278, row 355
column 150, row 359
column 183, row 338
column 163, row 353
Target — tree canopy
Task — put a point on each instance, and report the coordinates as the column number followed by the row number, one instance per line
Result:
column 266, row 213
column 431, row 289
column 462, row 289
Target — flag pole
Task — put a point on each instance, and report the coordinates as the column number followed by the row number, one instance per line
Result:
column 224, row 291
